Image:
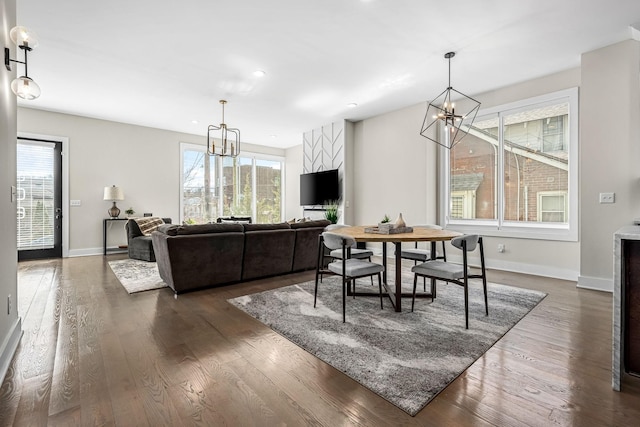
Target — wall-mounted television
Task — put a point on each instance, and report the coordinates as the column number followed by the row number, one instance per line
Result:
column 317, row 188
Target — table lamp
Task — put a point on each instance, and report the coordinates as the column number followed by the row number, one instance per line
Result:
column 112, row 194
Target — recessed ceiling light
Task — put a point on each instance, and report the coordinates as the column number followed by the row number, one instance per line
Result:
column 352, row 105
column 195, row 122
column 274, row 136
column 259, row 73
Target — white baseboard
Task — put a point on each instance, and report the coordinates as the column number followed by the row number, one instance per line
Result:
column 534, row 269
column 595, row 283
column 9, row 347
column 85, row 252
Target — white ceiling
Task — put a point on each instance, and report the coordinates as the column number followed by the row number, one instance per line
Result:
column 165, row 63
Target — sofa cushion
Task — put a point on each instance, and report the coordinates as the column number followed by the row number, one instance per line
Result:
column 181, row 230
column 314, row 223
column 267, row 253
column 261, row 227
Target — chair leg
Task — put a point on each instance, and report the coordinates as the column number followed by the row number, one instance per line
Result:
column 344, row 299
column 415, row 284
column 433, row 289
column 486, row 304
column 379, row 288
column 466, row 303
column 315, row 290
column 371, row 276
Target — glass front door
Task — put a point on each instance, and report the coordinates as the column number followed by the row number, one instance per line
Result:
column 39, row 179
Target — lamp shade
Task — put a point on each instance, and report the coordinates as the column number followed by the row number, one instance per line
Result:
column 113, row 193
column 23, row 36
column 25, row 88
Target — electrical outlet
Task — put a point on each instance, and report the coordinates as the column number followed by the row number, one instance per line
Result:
column 75, row 202
column 607, row 197
column 9, row 304
column 501, row 248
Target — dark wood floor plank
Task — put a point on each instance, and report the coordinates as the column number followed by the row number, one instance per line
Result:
column 65, row 389
column 92, row 354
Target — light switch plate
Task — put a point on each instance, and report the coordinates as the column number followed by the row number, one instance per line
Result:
column 75, row 202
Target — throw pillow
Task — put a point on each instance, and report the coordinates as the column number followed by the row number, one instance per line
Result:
column 149, row 224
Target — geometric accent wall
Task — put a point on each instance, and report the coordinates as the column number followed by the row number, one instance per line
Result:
column 323, row 148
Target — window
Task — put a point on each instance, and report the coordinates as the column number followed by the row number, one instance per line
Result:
column 552, row 206
column 248, row 185
column 515, row 173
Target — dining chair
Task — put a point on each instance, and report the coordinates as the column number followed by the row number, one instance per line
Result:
column 355, row 252
column 346, row 267
column 455, row 273
column 417, row 254
column 421, row 255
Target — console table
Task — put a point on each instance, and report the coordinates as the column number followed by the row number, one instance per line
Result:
column 626, row 304
column 105, row 228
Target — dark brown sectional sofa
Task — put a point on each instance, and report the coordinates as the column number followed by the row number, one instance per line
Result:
column 199, row 256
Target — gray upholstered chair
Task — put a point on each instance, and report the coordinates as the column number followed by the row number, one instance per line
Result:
column 347, row 268
column 355, row 252
column 140, row 245
column 455, row 273
column 421, row 255
column 417, row 254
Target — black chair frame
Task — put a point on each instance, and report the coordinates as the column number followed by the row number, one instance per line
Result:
column 464, row 282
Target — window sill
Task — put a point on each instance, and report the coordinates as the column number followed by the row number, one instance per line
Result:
column 534, row 232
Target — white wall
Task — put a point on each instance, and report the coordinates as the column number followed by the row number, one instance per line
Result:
column 294, row 168
column 394, row 169
column 609, row 153
column 10, row 324
column 144, row 161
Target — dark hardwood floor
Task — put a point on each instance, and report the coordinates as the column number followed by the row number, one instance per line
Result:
column 93, row 355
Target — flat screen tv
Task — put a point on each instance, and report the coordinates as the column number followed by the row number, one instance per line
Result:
column 317, row 188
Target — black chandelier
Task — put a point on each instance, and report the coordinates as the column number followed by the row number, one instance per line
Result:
column 443, row 110
column 224, row 147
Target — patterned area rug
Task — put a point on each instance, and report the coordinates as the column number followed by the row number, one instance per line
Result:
column 136, row 275
column 407, row 358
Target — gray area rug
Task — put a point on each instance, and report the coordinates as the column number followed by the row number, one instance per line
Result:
column 136, row 275
column 407, row 358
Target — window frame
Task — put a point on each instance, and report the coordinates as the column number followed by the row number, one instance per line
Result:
column 219, row 175
column 500, row 227
column 542, row 194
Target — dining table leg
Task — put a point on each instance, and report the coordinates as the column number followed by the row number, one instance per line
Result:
column 398, row 304
column 384, row 262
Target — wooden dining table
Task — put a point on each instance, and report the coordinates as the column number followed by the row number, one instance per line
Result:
column 418, row 234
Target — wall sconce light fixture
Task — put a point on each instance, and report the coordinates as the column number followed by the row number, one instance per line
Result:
column 26, row 40
column 224, row 148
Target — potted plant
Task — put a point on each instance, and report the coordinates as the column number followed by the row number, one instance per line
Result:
column 331, row 211
column 129, row 212
column 385, row 224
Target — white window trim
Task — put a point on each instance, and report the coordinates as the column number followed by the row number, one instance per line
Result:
column 245, row 154
column 524, row 230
